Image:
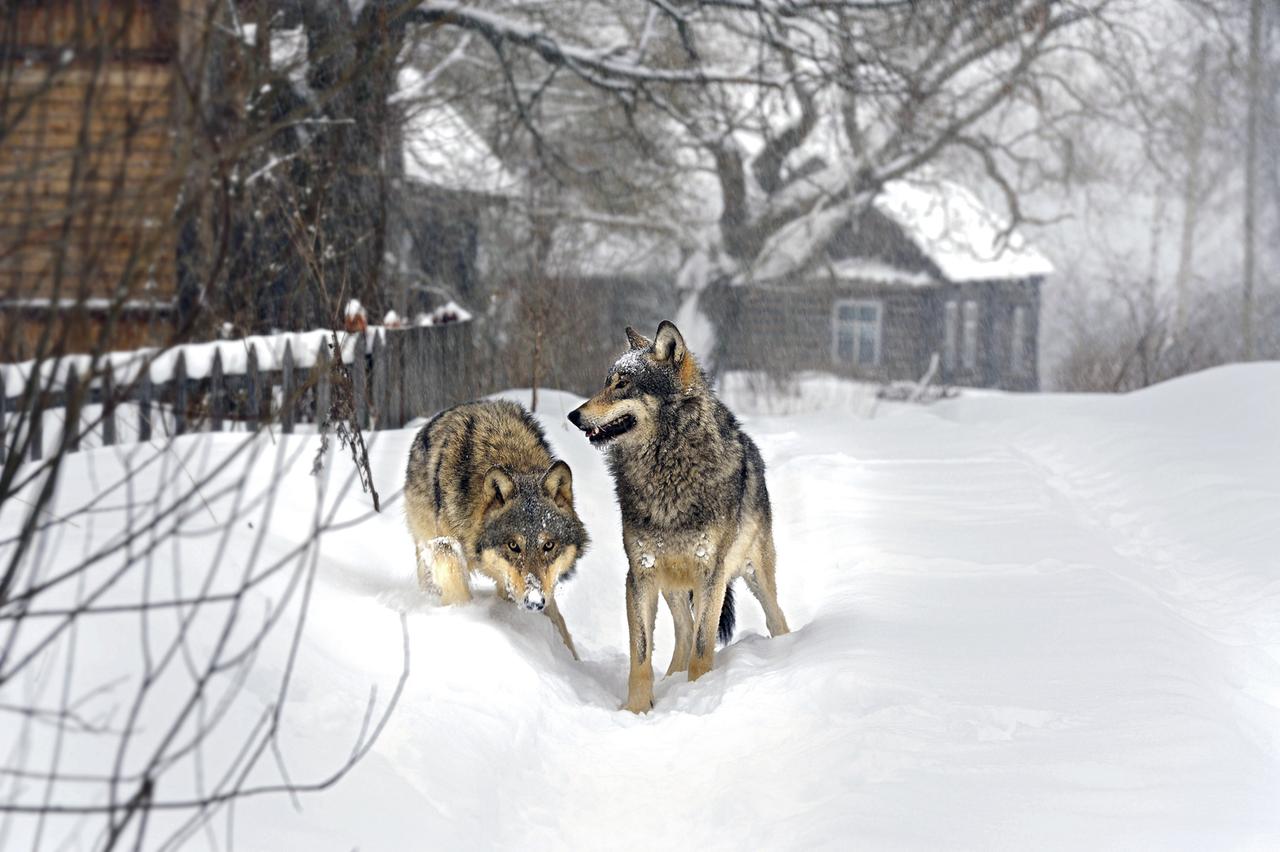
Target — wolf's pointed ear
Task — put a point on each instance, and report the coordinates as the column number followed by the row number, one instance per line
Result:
column 557, row 482
column 637, row 340
column 668, row 343
column 499, row 487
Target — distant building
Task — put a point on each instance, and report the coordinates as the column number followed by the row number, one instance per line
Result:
column 87, row 171
column 925, row 270
column 453, row 188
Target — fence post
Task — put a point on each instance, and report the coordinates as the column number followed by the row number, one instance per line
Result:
column 395, row 379
column 217, row 393
column 108, row 407
column 144, row 405
column 71, row 411
column 411, row 382
column 253, row 389
column 360, row 400
column 463, row 354
column 180, row 394
column 429, row 374
column 4, row 403
column 322, row 385
column 379, row 381
column 286, row 390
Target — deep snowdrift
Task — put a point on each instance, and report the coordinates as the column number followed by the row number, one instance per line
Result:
column 1019, row 622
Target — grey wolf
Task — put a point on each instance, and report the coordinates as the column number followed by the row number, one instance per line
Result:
column 483, row 493
column 695, row 508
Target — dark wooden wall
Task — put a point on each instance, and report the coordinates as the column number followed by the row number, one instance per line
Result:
column 86, row 158
column 782, row 331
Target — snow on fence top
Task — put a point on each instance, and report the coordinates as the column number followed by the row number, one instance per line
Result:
column 958, row 233
column 126, row 367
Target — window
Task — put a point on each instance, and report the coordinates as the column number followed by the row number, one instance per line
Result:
column 1020, row 360
column 856, row 333
column 950, row 335
column 969, row 343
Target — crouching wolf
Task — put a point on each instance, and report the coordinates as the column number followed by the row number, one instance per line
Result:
column 482, row 493
column 695, row 509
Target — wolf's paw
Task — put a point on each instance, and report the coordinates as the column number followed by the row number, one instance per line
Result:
column 638, row 707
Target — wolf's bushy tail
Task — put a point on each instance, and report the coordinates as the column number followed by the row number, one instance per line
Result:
column 725, row 629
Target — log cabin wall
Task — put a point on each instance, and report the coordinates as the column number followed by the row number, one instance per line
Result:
column 87, row 174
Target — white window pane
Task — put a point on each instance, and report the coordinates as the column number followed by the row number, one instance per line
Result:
column 867, row 347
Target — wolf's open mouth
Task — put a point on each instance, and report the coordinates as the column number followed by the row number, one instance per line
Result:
column 611, row 430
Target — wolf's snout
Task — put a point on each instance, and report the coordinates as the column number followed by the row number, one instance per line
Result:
column 575, row 417
column 534, row 602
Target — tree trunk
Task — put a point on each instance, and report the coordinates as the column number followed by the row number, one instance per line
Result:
column 1250, row 172
column 1190, row 197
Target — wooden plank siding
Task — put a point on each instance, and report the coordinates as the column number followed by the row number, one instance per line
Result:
column 87, row 173
column 786, row 330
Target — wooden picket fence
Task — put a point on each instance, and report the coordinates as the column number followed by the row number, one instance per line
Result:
column 405, row 373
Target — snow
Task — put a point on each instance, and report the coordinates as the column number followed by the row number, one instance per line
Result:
column 449, row 312
column 161, row 364
column 868, row 269
column 796, row 243
column 1020, row 621
column 441, row 148
column 957, row 232
column 92, row 303
column 289, row 54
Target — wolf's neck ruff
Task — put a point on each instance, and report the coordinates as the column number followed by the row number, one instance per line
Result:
column 666, row 482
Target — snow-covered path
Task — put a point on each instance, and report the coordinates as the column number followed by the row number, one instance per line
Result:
column 1019, row 622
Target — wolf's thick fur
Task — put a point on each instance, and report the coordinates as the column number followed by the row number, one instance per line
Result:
column 482, row 493
column 695, row 508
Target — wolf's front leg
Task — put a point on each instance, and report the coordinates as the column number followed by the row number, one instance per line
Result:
column 553, row 613
column 708, row 600
column 682, row 617
column 642, row 610
column 449, row 570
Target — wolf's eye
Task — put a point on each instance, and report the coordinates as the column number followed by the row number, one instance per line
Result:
column 549, row 546
column 515, row 548
column 622, row 383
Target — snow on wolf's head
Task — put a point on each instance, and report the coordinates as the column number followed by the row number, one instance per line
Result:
column 531, row 536
column 649, row 375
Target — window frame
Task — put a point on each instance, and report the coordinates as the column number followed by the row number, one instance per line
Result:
column 857, row 303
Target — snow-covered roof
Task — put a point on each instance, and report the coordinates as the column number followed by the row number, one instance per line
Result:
column 441, row 148
column 875, row 271
column 958, row 233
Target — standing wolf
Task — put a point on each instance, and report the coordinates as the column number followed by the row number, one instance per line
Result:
column 482, row 493
column 695, row 509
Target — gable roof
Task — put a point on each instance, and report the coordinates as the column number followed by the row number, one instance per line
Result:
column 957, row 238
column 961, row 236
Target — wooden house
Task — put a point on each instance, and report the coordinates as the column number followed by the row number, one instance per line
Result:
column 925, row 270
column 88, row 177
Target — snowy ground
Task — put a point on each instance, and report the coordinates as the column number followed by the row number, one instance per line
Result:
column 1019, row 622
